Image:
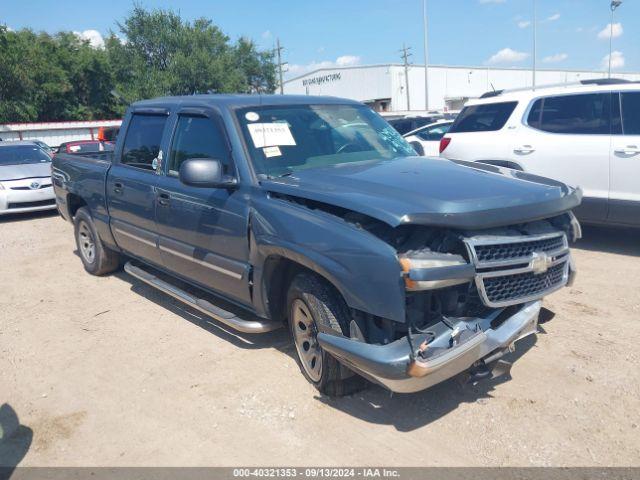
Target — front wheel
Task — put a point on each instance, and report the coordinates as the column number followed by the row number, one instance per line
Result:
column 311, row 302
column 96, row 258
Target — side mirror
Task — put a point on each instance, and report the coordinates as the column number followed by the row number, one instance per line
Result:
column 204, row 173
column 417, row 146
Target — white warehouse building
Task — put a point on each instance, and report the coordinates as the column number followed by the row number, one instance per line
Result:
column 384, row 88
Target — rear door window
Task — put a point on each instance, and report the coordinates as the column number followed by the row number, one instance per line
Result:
column 630, row 102
column 573, row 114
column 143, row 140
column 483, row 118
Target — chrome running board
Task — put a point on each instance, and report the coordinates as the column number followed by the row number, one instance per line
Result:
column 223, row 316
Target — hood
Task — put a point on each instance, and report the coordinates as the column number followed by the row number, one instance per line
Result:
column 432, row 191
column 27, row 170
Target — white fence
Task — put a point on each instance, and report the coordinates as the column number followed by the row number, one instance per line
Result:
column 55, row 133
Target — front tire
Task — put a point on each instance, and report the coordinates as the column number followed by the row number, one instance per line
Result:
column 311, row 301
column 96, row 258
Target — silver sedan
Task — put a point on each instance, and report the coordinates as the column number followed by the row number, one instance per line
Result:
column 25, row 178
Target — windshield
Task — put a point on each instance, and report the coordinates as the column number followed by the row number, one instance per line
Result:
column 284, row 139
column 22, row 154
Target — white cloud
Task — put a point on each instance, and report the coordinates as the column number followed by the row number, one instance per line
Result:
column 507, row 55
column 524, row 23
column 553, row 18
column 606, row 31
column 558, row 57
column 93, row 36
column 347, row 60
column 617, row 60
column 579, row 29
column 491, row 1
column 267, row 34
column 342, row 61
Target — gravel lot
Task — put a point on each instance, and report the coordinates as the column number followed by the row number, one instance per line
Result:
column 108, row 372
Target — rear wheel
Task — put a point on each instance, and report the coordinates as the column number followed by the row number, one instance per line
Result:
column 312, row 302
column 96, row 258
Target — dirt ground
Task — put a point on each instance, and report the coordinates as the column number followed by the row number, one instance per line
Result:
column 108, row 372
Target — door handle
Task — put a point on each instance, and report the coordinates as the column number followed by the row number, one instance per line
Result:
column 524, row 149
column 628, row 150
column 117, row 187
column 163, row 199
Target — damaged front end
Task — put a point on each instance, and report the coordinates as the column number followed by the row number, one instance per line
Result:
column 470, row 295
column 450, row 347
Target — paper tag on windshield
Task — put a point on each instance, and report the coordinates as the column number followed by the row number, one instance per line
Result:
column 271, row 152
column 270, row 134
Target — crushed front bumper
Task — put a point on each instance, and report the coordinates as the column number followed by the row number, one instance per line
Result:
column 455, row 348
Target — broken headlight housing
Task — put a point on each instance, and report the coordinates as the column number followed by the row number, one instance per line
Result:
column 429, row 270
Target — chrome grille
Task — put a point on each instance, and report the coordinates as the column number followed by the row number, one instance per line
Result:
column 515, row 250
column 511, row 270
column 522, row 285
column 44, row 185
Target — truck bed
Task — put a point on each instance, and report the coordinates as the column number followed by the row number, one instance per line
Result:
column 82, row 176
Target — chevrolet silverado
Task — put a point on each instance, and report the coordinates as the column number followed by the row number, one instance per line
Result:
column 313, row 212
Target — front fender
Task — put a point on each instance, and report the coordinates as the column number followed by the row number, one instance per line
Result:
column 363, row 268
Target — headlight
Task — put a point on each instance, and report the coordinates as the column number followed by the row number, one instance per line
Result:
column 1, row 186
column 430, row 270
column 576, row 229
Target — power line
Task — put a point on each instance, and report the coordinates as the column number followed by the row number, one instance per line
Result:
column 405, row 58
column 426, row 56
column 535, row 41
column 280, row 64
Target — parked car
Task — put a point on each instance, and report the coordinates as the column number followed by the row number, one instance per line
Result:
column 408, row 124
column 426, row 140
column 47, row 149
column 259, row 210
column 25, row 178
column 585, row 134
column 85, row 146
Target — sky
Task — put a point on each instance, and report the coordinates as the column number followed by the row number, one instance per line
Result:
column 572, row 34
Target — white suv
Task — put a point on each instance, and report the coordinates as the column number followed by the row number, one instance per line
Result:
column 585, row 135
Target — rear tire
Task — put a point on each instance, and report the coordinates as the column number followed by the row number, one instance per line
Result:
column 96, row 258
column 311, row 301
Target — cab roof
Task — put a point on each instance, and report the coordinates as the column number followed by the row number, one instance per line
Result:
column 241, row 101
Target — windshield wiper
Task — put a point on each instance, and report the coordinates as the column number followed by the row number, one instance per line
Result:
column 272, row 177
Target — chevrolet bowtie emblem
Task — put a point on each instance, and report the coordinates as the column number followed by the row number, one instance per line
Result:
column 540, row 262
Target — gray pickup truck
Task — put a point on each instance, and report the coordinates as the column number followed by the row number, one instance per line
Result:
column 312, row 212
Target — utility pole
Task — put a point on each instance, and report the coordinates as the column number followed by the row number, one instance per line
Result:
column 535, row 28
column 280, row 64
column 426, row 56
column 405, row 58
column 614, row 4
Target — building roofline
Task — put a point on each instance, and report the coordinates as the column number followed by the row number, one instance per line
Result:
column 350, row 67
column 462, row 67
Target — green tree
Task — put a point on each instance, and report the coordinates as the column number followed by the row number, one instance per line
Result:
column 62, row 77
column 163, row 54
column 58, row 77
